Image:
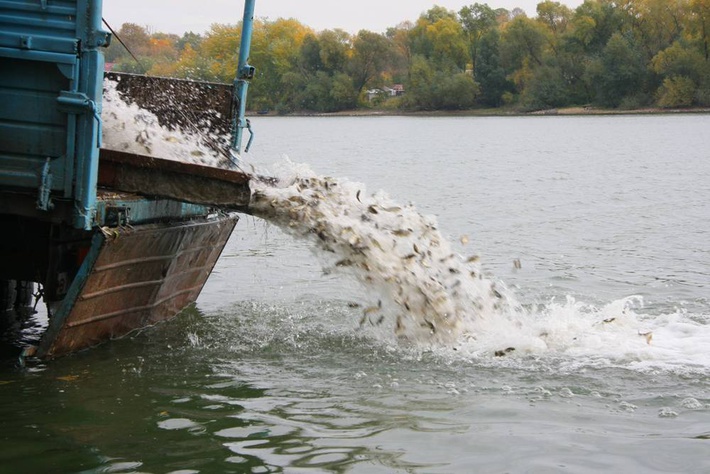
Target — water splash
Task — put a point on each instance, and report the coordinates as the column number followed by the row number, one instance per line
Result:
column 438, row 299
column 428, row 292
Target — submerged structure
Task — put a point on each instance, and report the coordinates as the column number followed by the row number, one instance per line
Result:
column 115, row 241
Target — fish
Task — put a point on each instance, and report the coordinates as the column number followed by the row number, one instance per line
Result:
column 398, row 327
column 430, row 325
column 368, row 311
column 505, row 351
column 648, row 335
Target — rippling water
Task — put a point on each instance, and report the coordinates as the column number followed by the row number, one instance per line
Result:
column 270, row 372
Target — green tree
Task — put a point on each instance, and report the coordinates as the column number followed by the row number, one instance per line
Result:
column 699, row 24
column 477, row 20
column 489, row 73
column 189, row 38
column 676, row 91
column 335, row 49
column 432, row 88
column 619, row 73
column 309, row 56
column 554, row 15
column 135, row 38
column 371, row 52
column 523, row 38
column 439, row 37
column 594, row 22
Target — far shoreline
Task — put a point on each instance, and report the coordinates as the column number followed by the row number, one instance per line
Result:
column 563, row 111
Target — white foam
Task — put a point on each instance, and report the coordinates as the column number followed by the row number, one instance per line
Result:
column 432, row 296
column 426, row 291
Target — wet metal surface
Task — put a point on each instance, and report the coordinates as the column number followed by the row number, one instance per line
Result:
column 140, row 276
column 187, row 182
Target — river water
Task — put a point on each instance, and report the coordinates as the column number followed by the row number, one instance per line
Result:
column 599, row 229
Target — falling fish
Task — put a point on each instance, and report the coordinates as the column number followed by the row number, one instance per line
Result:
column 648, row 335
column 368, row 311
column 505, row 351
column 393, row 250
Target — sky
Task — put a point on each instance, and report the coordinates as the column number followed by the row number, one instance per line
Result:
column 179, row 16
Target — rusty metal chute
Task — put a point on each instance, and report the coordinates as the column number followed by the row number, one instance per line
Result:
column 155, row 177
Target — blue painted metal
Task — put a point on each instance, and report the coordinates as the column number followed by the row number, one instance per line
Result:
column 127, row 209
column 109, row 261
column 245, row 73
column 50, row 101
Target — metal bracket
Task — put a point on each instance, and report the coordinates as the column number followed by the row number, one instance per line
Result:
column 79, row 103
column 251, row 137
column 117, row 216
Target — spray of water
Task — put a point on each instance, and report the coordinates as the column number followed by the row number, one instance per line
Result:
column 436, row 298
column 425, row 290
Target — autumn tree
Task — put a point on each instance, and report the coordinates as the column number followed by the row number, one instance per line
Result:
column 371, row 52
column 611, row 53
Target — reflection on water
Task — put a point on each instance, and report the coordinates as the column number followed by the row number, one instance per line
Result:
column 271, row 372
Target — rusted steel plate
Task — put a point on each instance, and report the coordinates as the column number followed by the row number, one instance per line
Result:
column 128, row 172
column 141, row 276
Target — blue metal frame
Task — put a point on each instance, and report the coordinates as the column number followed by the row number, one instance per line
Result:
column 245, row 73
column 50, row 101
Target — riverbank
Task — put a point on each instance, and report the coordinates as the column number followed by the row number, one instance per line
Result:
column 493, row 112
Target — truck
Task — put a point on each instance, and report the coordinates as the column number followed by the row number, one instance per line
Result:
column 110, row 241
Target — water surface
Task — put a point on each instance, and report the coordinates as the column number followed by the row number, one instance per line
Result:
column 270, row 372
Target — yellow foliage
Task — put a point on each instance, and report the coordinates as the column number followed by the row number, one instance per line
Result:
column 676, row 91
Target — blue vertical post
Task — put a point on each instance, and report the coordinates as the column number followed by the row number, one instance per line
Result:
column 90, row 89
column 245, row 73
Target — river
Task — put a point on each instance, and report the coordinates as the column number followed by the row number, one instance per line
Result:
column 598, row 227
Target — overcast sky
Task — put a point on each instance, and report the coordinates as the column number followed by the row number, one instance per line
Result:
column 179, row 16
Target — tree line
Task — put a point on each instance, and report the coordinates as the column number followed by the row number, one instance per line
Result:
column 624, row 54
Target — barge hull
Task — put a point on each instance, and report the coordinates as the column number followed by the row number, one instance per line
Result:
column 133, row 277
